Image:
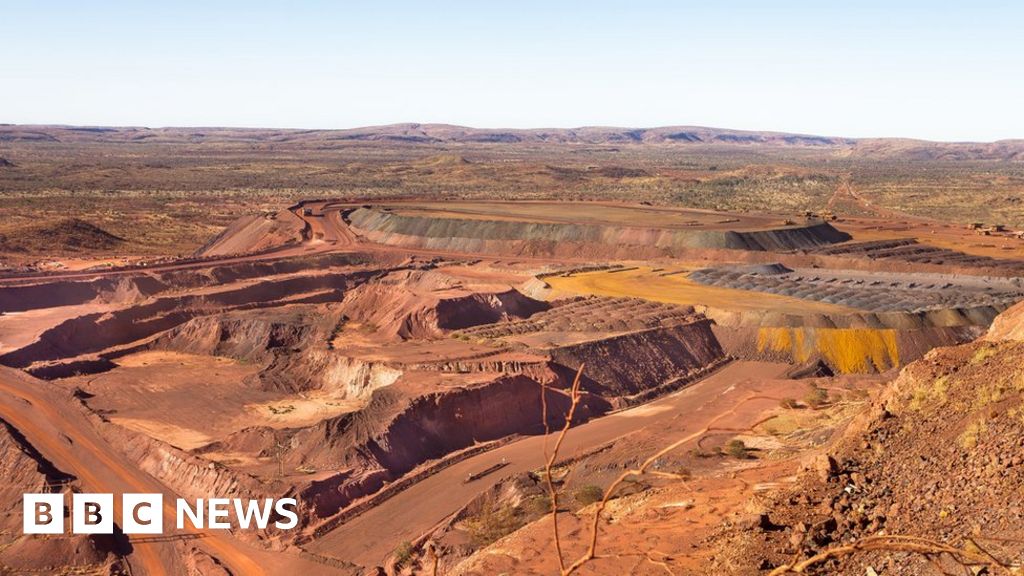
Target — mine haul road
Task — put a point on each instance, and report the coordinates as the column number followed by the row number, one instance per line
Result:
column 63, row 434
column 731, row 397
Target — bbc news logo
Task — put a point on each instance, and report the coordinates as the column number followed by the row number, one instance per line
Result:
column 144, row 513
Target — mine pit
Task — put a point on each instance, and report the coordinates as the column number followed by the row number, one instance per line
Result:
column 418, row 343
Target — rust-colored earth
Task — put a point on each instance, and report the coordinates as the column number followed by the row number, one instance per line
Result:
column 402, row 368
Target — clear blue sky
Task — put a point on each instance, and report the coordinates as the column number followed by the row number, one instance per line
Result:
column 936, row 69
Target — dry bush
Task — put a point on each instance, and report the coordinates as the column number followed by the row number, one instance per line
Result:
column 587, row 495
column 737, row 449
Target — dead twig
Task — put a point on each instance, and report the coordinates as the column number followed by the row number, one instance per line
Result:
column 574, row 400
column 894, row 543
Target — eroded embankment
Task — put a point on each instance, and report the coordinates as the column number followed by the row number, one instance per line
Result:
column 520, row 237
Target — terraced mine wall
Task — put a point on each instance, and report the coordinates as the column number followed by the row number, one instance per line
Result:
column 93, row 333
column 911, row 251
column 290, row 345
column 632, row 363
column 520, row 237
column 975, row 299
column 901, row 316
column 139, row 285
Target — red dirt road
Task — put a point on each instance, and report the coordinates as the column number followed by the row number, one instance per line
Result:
column 732, row 397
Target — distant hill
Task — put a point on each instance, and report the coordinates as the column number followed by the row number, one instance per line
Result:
column 64, row 235
column 413, row 134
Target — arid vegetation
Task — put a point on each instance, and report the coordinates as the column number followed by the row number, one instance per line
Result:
column 167, row 191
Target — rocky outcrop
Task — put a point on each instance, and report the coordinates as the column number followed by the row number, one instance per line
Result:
column 1009, row 325
column 938, row 456
column 243, row 336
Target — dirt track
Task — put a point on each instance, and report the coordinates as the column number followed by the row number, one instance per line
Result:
column 370, row 537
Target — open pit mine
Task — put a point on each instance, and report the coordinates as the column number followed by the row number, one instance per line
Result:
column 401, row 370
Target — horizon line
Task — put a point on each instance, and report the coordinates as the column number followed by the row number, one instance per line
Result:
column 499, row 128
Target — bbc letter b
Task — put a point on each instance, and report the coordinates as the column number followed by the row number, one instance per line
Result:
column 43, row 513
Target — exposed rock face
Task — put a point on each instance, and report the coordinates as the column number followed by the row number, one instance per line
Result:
column 635, row 362
column 515, row 237
column 247, row 337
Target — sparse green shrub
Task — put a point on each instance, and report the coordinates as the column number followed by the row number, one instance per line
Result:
column 789, row 403
column 816, row 397
column 984, row 353
column 918, row 399
column 541, row 504
column 589, row 494
column 737, row 449
column 403, row 553
column 970, row 436
column 493, row 522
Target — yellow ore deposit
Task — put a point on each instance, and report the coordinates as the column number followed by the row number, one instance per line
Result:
column 847, row 350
